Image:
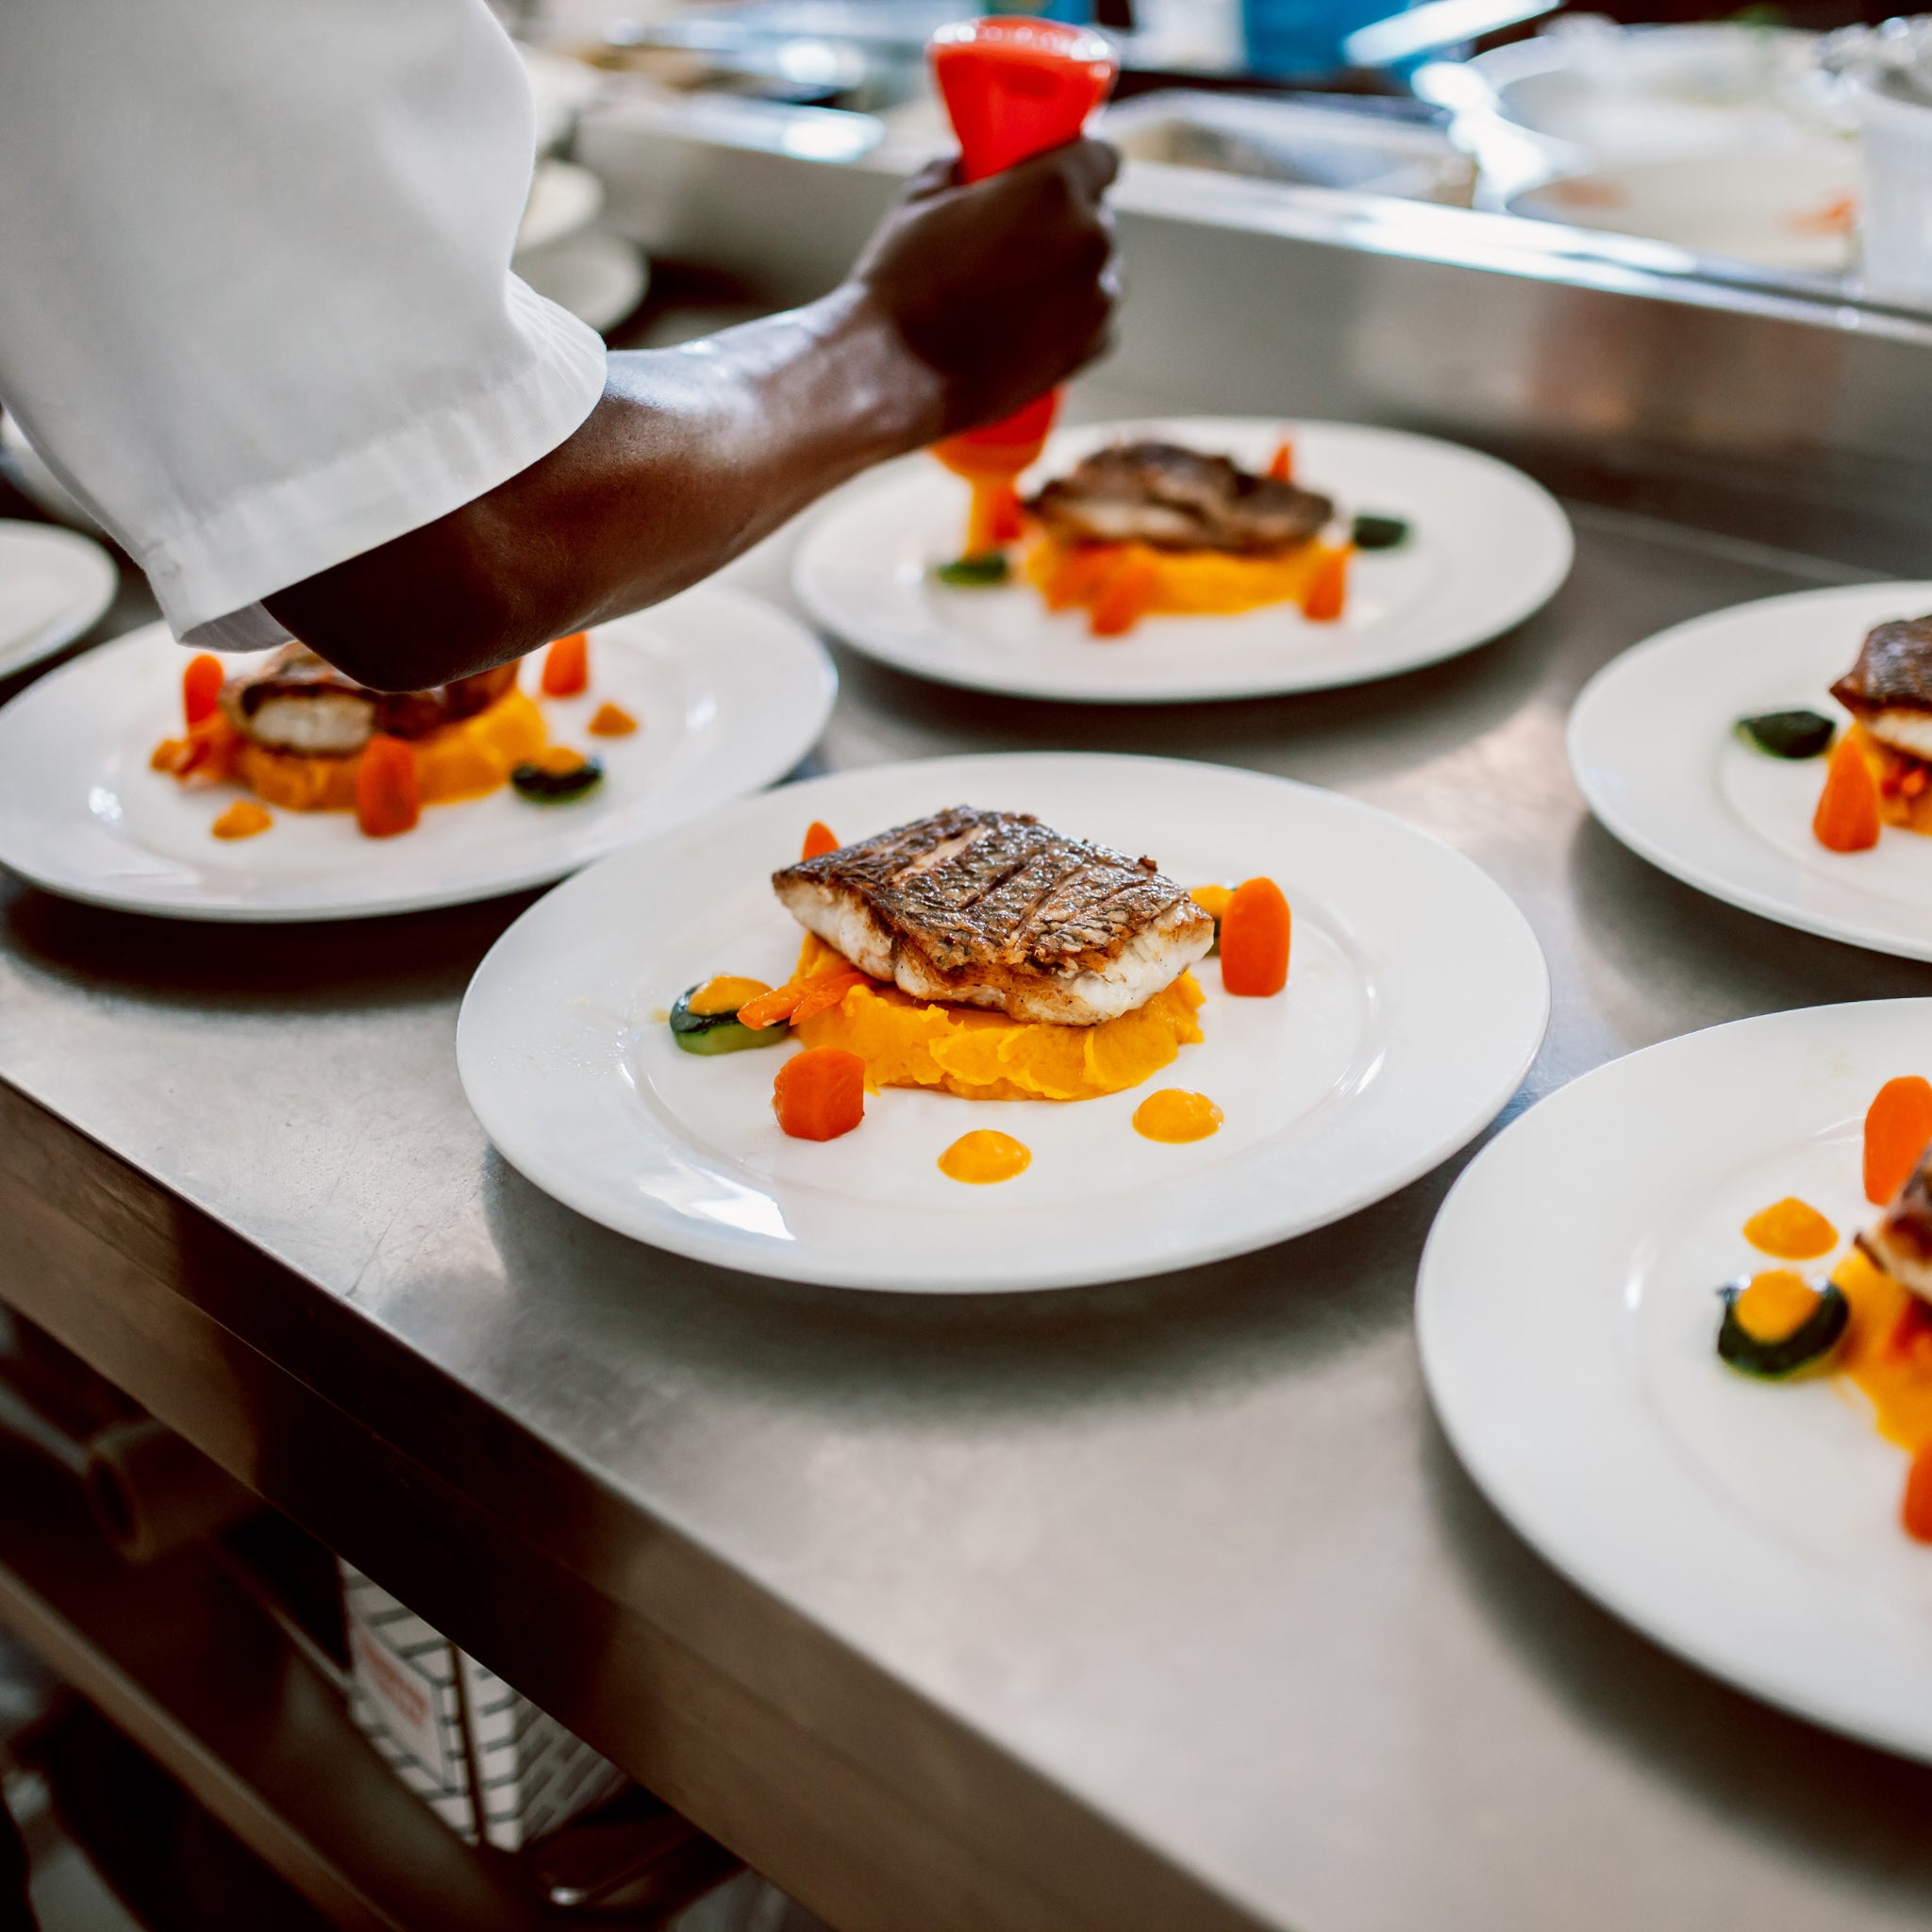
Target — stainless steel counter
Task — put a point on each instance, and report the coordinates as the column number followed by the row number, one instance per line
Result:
column 1161, row 1606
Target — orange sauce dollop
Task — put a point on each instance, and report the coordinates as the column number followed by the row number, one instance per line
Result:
column 611, row 721
column 982, row 1156
column 242, row 820
column 1793, row 1230
column 1174, row 1114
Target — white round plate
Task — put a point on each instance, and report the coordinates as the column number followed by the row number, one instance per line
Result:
column 1568, row 1318
column 1416, row 1001
column 53, row 585
column 564, row 197
column 729, row 694
column 1487, row 548
column 1654, row 751
column 600, row 278
column 1791, row 207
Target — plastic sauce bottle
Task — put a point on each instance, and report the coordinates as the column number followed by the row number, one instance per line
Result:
column 1013, row 87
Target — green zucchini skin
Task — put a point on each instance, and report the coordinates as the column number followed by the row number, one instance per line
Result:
column 558, row 788
column 1805, row 1347
column 1788, row 734
column 715, row 1033
column 971, row 572
column 1370, row 532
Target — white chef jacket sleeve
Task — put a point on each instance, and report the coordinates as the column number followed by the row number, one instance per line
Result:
column 256, row 306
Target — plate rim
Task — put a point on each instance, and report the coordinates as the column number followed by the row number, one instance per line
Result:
column 1532, row 598
column 695, row 1240
column 60, row 631
column 1553, row 1535
column 811, row 657
column 1630, row 663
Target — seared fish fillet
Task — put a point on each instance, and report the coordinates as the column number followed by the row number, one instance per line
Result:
column 1890, row 689
column 1901, row 1240
column 1177, row 499
column 991, row 909
column 296, row 703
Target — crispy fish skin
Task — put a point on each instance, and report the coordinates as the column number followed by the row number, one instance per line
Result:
column 1172, row 498
column 1890, row 689
column 296, row 702
column 992, row 909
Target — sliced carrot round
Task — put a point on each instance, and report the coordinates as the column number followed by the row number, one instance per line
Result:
column 820, row 1093
column 387, row 798
column 1847, row 815
column 1915, row 1511
column 1255, row 935
column 1898, row 1128
column 567, row 666
column 1326, row 595
column 201, row 688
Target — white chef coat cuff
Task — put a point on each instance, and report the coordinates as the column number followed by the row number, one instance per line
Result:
column 210, row 578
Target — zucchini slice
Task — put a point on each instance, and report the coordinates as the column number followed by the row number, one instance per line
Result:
column 971, row 572
column 543, row 784
column 711, row 1033
column 1370, row 532
column 1802, row 1339
column 1788, row 734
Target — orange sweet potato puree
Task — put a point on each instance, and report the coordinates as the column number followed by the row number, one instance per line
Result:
column 1175, row 1114
column 1904, row 799
column 1202, row 583
column 245, row 819
column 1897, row 1381
column 1793, row 1230
column 985, row 1055
column 984, row 1157
column 466, row 759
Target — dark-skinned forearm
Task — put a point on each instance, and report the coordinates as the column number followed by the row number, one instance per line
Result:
column 691, row 455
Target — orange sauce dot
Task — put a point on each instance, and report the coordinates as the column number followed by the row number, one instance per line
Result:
column 1174, row 1114
column 982, row 1156
column 1791, row 1230
column 242, row 820
column 612, row 721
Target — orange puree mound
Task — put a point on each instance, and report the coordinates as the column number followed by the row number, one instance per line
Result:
column 1188, row 583
column 1176, row 1115
column 984, row 1158
column 1905, row 796
column 466, row 759
column 245, row 819
column 1893, row 1369
column 985, row 1055
column 1793, row 1230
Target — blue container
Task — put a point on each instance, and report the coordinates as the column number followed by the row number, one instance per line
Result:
column 1286, row 37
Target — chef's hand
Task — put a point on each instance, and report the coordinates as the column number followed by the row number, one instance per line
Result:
column 968, row 302
column 1005, row 288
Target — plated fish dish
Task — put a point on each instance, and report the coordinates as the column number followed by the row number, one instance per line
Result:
column 1867, row 1322
column 1153, row 528
column 986, row 955
column 293, row 733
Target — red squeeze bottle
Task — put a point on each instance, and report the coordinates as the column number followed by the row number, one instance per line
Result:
column 1014, row 88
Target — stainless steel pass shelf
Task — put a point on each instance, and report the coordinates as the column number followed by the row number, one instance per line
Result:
column 1155, row 1606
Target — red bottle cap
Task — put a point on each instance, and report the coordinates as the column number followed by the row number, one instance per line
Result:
column 1015, row 87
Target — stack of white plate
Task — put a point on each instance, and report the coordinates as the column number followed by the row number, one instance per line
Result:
column 600, row 278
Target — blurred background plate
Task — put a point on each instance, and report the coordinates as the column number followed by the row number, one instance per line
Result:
column 1485, row 547
column 1792, row 206
column 53, row 585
